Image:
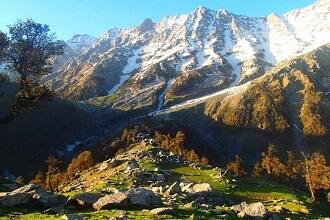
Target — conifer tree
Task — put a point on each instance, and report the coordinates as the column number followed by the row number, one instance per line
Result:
column 316, row 173
column 235, row 167
column 52, row 170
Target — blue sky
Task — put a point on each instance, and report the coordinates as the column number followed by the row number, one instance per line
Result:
column 68, row 17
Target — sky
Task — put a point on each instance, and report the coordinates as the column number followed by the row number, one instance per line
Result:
column 93, row 17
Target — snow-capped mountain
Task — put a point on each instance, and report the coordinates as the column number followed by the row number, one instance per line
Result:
column 80, row 43
column 180, row 57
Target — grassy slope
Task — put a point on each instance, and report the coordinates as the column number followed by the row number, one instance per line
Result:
column 296, row 203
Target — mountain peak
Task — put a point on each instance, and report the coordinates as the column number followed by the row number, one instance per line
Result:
column 201, row 9
column 81, row 42
column 146, row 25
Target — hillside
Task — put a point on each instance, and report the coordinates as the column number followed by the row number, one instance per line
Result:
column 34, row 133
column 288, row 106
column 145, row 181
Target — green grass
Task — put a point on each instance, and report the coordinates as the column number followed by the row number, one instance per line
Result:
column 263, row 190
column 295, row 201
column 138, row 214
column 204, row 175
column 147, row 165
column 121, row 181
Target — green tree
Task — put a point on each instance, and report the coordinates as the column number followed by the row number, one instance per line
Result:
column 3, row 45
column 29, row 49
column 235, row 167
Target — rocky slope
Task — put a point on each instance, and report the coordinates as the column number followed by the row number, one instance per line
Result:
column 187, row 56
column 145, row 181
column 287, row 106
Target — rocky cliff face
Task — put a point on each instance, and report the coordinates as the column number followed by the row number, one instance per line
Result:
column 185, row 56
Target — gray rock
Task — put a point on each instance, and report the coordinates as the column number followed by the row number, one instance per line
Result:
column 10, row 186
column 173, row 189
column 83, row 200
column 115, row 200
column 32, row 194
column 253, row 210
column 46, row 198
column 143, row 197
column 162, row 211
column 197, row 188
column 14, row 199
column 26, row 188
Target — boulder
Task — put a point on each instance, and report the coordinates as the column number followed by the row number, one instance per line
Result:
column 197, row 188
column 3, row 194
column 173, row 189
column 14, row 199
column 47, row 199
column 162, row 211
column 115, row 200
column 10, row 186
column 26, row 188
column 143, row 197
column 83, row 200
column 32, row 194
column 253, row 210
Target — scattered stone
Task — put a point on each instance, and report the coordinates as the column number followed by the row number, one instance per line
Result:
column 174, row 188
column 194, row 217
column 277, row 209
column 188, row 205
column 241, row 214
column 131, row 165
column 143, row 197
column 121, row 215
column 162, row 211
column 83, row 200
column 115, row 200
column 253, row 210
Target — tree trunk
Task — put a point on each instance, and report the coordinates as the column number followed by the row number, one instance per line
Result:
column 308, row 179
column 24, row 84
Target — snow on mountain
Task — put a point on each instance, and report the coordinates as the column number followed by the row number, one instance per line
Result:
column 189, row 55
column 81, row 43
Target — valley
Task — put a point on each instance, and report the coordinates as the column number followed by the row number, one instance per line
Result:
column 203, row 115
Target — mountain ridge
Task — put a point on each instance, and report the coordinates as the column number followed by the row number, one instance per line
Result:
column 205, row 50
